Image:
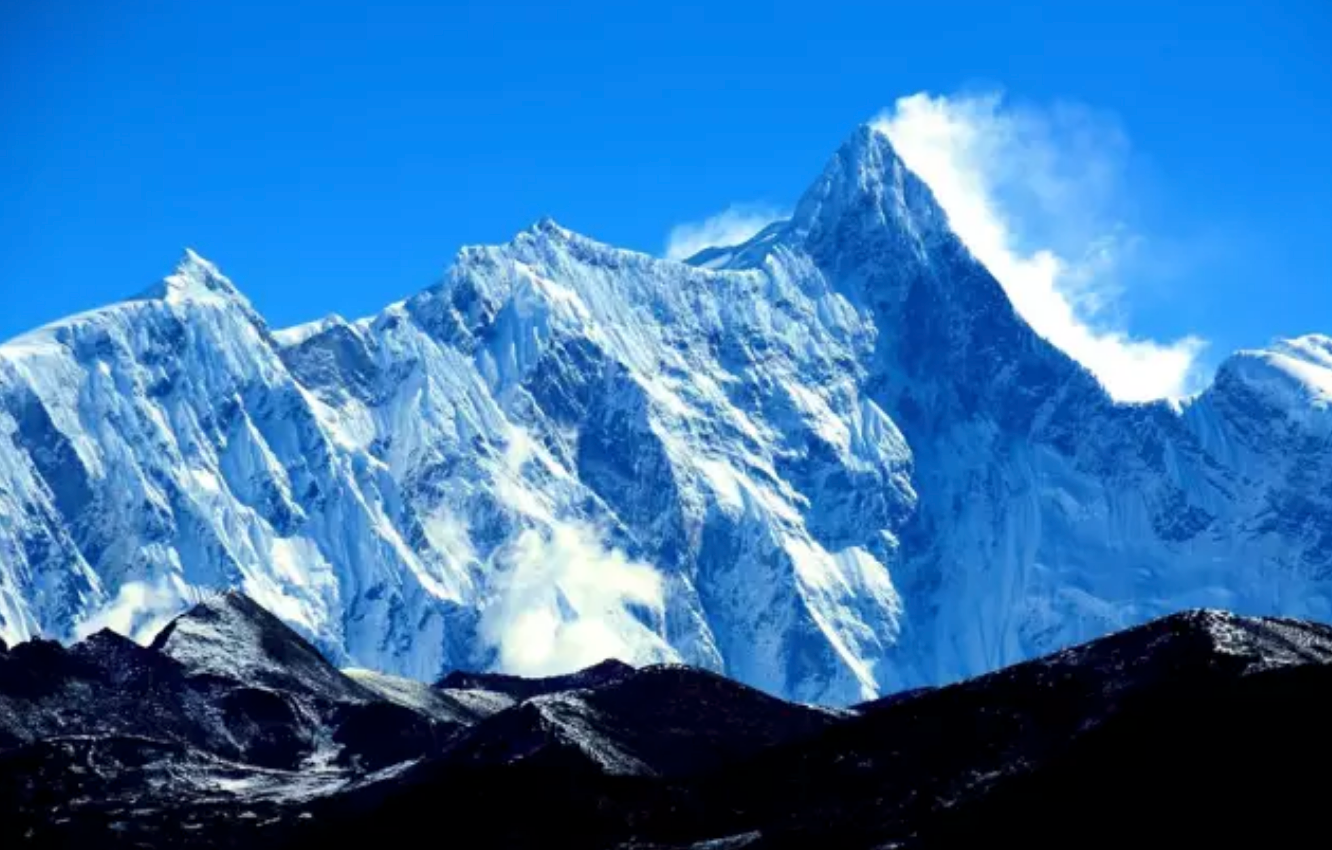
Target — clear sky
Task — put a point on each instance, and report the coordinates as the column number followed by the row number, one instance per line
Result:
column 333, row 156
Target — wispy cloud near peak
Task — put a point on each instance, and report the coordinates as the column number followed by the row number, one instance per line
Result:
column 733, row 225
column 1032, row 194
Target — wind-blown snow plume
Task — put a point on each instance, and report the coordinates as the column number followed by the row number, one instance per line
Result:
column 139, row 610
column 561, row 599
column 1009, row 178
column 564, row 602
column 732, row 226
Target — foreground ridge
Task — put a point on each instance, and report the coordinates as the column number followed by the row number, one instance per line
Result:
column 259, row 742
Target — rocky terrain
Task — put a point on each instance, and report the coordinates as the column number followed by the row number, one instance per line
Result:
column 232, row 731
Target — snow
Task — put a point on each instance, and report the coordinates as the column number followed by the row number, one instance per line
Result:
column 206, row 481
column 832, row 463
column 407, row 692
column 1293, row 377
column 464, row 707
column 288, row 337
column 571, row 719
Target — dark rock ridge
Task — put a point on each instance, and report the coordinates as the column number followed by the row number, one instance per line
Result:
column 231, row 731
column 521, row 688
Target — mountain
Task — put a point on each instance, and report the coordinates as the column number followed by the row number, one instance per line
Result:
column 832, row 463
column 519, row 688
column 662, row 720
column 1195, row 729
column 227, row 708
column 227, row 678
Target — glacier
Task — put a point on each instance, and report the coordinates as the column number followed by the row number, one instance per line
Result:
column 832, row 462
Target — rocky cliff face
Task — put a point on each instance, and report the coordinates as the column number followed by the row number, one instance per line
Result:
column 831, row 462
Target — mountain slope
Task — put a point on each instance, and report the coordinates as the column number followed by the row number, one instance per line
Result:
column 832, row 462
column 228, row 711
column 1048, row 514
column 227, row 678
column 1153, row 731
column 519, row 688
column 1150, row 731
column 662, row 720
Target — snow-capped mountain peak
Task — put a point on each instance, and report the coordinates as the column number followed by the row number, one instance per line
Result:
column 832, row 462
column 229, row 635
column 1293, row 375
column 866, row 186
column 195, row 278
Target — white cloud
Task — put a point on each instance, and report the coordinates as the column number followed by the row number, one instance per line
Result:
column 139, row 610
column 560, row 600
column 1031, row 193
column 562, row 604
column 733, row 225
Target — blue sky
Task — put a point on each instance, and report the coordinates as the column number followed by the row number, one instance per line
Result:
column 333, row 156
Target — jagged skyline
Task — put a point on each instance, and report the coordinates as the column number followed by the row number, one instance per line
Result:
column 832, row 462
column 337, row 158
